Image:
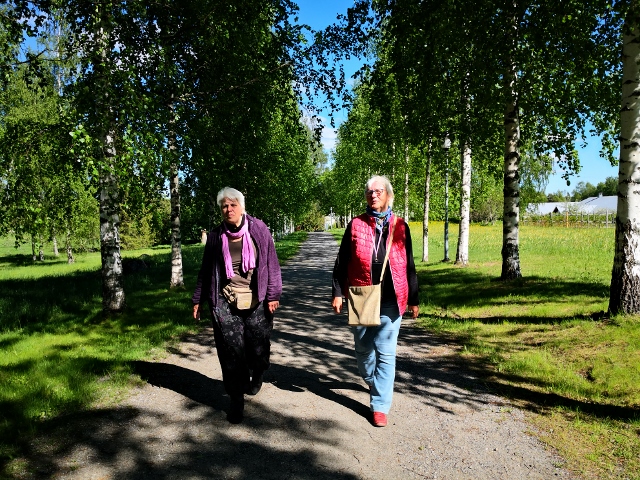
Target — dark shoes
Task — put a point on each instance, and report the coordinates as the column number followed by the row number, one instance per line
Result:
column 236, row 410
column 256, row 384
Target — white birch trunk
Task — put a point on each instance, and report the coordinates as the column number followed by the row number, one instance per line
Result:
column 70, row 258
column 425, row 220
column 406, row 182
column 176, row 246
column 113, row 298
column 446, row 206
column 174, row 187
column 511, row 212
column 462, row 252
column 625, row 276
column 55, row 246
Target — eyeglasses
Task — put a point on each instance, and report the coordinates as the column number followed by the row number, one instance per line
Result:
column 377, row 191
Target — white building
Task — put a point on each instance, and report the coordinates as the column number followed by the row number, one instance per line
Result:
column 592, row 205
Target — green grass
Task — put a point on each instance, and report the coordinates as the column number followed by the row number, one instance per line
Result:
column 544, row 340
column 59, row 354
column 288, row 246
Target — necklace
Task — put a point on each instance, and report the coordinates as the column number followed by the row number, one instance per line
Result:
column 376, row 247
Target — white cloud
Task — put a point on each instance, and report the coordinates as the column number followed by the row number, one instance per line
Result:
column 329, row 136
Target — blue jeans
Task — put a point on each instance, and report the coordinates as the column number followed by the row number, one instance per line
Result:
column 376, row 355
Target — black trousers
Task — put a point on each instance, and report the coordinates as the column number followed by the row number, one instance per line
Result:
column 243, row 342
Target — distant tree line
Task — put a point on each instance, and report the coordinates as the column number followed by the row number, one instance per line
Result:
column 583, row 190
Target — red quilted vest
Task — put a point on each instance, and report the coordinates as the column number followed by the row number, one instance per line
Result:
column 359, row 269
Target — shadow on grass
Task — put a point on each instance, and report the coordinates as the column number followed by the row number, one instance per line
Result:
column 510, row 386
column 460, row 287
column 60, row 302
column 24, row 260
column 457, row 287
column 63, row 344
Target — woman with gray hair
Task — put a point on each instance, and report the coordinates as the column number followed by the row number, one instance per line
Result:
column 240, row 280
column 360, row 261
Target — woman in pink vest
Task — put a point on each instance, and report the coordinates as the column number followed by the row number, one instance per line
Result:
column 359, row 262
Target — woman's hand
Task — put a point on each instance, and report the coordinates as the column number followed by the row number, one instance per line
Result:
column 273, row 306
column 196, row 311
column 414, row 311
column 337, row 304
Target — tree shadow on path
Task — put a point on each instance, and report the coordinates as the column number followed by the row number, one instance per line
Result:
column 428, row 366
column 322, row 342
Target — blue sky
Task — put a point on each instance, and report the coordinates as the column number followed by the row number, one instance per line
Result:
column 594, row 169
column 319, row 14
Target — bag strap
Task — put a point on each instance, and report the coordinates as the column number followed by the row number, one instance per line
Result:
column 386, row 255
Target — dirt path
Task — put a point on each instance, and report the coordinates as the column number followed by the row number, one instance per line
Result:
column 310, row 420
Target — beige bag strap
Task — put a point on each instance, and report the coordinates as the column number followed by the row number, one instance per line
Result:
column 386, row 255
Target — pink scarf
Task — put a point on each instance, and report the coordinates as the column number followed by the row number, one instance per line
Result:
column 248, row 256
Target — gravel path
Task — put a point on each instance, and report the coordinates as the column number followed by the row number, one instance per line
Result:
column 310, row 420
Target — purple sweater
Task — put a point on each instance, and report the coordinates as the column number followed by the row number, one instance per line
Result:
column 267, row 272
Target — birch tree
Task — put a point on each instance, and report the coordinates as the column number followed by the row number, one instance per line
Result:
column 625, row 276
column 174, row 188
column 172, row 75
column 462, row 251
column 427, row 196
column 109, row 96
column 511, row 212
column 99, row 40
column 33, row 142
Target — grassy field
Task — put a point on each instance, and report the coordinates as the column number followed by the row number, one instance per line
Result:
column 58, row 354
column 544, row 340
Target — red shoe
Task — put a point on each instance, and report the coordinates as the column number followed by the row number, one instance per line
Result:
column 379, row 419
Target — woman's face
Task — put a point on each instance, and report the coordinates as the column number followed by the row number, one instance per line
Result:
column 231, row 212
column 377, row 197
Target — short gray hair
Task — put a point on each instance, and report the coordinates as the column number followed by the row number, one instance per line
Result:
column 231, row 194
column 387, row 186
